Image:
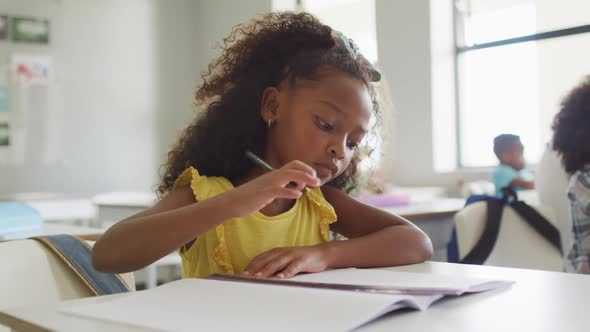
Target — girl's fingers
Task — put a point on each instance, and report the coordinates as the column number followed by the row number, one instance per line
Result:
column 290, row 193
column 257, row 263
column 292, row 269
column 301, row 166
column 277, row 264
column 301, row 178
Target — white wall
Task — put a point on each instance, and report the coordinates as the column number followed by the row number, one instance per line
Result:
column 127, row 72
column 404, row 56
column 562, row 62
column 405, row 51
column 188, row 34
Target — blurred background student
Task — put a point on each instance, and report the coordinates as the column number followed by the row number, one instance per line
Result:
column 510, row 172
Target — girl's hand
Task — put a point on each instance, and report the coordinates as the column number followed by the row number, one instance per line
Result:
column 287, row 261
column 256, row 194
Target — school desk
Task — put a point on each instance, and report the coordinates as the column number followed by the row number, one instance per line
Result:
column 537, row 301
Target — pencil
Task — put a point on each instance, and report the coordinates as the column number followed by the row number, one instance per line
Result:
column 255, row 159
column 264, row 165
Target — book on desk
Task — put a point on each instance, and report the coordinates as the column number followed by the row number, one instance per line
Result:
column 333, row 300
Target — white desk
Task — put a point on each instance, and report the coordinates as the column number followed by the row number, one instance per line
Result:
column 57, row 206
column 438, row 208
column 538, row 301
column 435, row 218
column 116, row 206
column 87, row 233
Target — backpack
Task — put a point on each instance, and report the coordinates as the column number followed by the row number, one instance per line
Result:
column 495, row 205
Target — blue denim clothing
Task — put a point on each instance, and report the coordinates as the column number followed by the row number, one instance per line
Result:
column 78, row 254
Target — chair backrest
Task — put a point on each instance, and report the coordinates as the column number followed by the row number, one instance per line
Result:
column 551, row 181
column 518, row 244
column 481, row 187
column 31, row 274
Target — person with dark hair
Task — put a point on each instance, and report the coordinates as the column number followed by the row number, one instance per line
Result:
column 510, row 173
column 299, row 95
column 571, row 140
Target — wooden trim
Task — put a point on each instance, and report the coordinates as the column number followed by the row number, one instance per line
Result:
column 429, row 215
column 89, row 237
column 64, row 259
column 20, row 325
column 115, row 274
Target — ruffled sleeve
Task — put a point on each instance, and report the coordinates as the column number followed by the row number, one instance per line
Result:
column 202, row 190
column 325, row 209
column 220, row 253
column 191, row 176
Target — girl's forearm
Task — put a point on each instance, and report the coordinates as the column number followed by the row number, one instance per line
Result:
column 391, row 246
column 135, row 243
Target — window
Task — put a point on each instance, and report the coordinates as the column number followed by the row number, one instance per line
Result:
column 515, row 60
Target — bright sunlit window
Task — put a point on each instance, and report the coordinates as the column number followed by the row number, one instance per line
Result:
column 516, row 59
column 498, row 85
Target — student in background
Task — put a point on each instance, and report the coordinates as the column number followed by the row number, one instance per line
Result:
column 571, row 139
column 299, row 95
column 510, row 172
column 551, row 182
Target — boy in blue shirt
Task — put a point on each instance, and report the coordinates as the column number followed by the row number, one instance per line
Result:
column 510, row 172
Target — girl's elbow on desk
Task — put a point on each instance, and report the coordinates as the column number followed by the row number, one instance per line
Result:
column 423, row 250
column 408, row 245
column 396, row 245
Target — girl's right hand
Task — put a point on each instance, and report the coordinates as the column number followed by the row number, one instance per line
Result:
column 256, row 194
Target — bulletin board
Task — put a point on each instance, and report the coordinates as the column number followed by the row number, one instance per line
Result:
column 31, row 112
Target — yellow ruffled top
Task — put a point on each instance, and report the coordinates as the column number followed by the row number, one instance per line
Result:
column 229, row 247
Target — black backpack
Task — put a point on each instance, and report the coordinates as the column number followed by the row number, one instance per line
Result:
column 484, row 246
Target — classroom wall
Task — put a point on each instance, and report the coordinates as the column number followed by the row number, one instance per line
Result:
column 562, row 62
column 129, row 69
column 405, row 56
column 126, row 72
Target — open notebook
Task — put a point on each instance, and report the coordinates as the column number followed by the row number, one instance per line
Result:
column 335, row 300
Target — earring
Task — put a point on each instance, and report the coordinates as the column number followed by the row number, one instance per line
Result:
column 269, row 122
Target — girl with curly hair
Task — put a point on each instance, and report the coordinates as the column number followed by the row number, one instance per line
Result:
column 299, row 95
column 571, row 139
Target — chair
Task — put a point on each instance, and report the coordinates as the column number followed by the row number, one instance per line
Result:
column 551, row 181
column 32, row 274
column 518, row 245
column 481, row 187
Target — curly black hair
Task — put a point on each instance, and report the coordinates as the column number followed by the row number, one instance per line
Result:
column 571, row 128
column 276, row 48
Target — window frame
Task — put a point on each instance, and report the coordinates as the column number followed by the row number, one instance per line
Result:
column 459, row 50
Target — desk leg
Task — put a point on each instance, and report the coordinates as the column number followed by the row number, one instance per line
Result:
column 151, row 276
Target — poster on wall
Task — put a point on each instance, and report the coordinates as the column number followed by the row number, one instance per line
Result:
column 4, row 134
column 4, row 99
column 31, row 69
column 12, row 143
column 30, row 30
column 3, row 27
